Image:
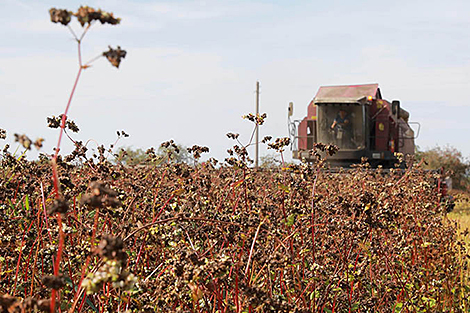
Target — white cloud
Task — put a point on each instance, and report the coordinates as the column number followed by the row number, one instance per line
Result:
column 192, row 11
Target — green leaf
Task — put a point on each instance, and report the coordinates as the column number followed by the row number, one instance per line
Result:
column 284, row 188
column 26, row 202
column 290, row 220
column 88, row 301
column 314, row 294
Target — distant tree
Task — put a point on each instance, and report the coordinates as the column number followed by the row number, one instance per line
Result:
column 270, row 161
column 180, row 155
column 138, row 156
column 451, row 160
column 130, row 156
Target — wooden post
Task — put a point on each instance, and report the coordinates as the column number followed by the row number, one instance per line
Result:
column 257, row 127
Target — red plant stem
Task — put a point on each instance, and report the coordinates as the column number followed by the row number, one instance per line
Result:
column 58, row 258
column 71, row 275
column 19, row 257
column 236, row 291
column 54, row 166
column 35, row 262
column 223, row 200
column 82, row 303
column 25, row 271
column 64, row 118
column 163, row 271
column 62, row 126
column 85, row 266
column 45, row 212
column 61, row 245
column 163, row 207
column 245, row 190
column 313, row 217
column 42, row 259
column 16, row 193
column 140, row 252
column 236, row 202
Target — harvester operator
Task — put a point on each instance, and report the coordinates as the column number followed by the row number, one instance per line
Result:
column 341, row 120
column 342, row 129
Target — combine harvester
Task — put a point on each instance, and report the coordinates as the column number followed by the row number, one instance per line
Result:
column 358, row 121
column 363, row 125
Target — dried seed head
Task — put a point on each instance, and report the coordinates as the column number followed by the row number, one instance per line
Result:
column 232, row 135
column 72, row 126
column 115, row 55
column 3, row 134
column 53, row 282
column 257, row 119
column 60, row 16
column 56, row 122
column 7, row 301
column 266, row 139
column 100, row 196
column 122, row 133
column 279, row 144
column 44, row 305
column 79, row 151
column 58, row 206
column 197, row 151
column 111, row 248
column 87, row 15
column 24, row 141
column 53, row 122
column 38, row 143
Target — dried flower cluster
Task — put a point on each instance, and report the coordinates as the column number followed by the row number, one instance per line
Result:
column 197, row 151
column 279, row 144
column 11, row 304
column 27, row 143
column 257, row 119
column 60, row 16
column 122, row 133
column 110, row 249
column 56, row 122
column 85, row 15
column 100, row 196
column 266, row 139
column 232, row 136
column 53, row 282
column 114, row 56
column 58, row 206
column 23, row 140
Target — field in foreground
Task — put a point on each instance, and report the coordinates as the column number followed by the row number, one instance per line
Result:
column 204, row 239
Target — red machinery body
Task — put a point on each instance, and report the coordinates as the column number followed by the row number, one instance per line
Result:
column 376, row 128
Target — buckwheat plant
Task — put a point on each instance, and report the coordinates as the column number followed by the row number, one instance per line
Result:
column 86, row 17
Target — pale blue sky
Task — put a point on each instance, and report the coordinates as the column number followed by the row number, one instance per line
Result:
column 191, row 67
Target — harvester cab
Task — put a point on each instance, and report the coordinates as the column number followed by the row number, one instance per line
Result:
column 357, row 120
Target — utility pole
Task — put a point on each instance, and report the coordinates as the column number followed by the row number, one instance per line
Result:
column 257, row 127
